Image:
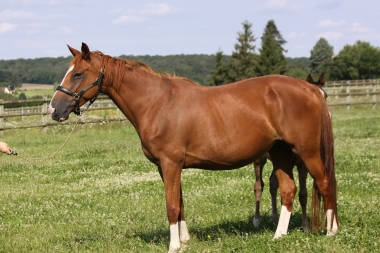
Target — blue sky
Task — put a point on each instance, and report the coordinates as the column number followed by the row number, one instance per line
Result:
column 42, row 28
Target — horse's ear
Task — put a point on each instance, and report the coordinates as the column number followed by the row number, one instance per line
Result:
column 321, row 80
column 309, row 79
column 73, row 51
column 85, row 51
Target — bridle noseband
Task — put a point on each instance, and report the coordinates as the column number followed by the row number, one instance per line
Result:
column 77, row 96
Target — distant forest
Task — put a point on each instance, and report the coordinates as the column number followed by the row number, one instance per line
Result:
column 195, row 67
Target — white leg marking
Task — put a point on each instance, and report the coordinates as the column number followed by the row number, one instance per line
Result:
column 51, row 110
column 283, row 223
column 174, row 238
column 332, row 229
column 184, row 236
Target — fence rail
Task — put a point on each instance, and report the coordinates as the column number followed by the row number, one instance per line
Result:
column 340, row 93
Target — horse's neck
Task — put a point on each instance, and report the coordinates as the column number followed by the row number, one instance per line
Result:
column 138, row 96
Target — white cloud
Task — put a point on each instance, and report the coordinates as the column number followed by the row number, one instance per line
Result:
column 330, row 35
column 7, row 27
column 27, row 15
column 18, row 15
column 157, row 9
column 358, row 28
column 330, row 23
column 138, row 16
column 280, row 5
column 129, row 19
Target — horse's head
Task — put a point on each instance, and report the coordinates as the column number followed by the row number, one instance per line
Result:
column 81, row 83
column 319, row 83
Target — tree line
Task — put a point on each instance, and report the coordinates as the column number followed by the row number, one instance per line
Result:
column 358, row 61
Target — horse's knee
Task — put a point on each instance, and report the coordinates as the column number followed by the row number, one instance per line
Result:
column 173, row 213
column 287, row 195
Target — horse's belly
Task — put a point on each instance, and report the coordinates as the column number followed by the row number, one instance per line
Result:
column 229, row 154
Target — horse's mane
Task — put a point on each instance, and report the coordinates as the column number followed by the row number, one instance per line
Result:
column 119, row 65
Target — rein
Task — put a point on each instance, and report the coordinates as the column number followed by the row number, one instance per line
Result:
column 53, row 154
column 78, row 96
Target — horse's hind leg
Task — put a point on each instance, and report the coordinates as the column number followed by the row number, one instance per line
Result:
column 259, row 186
column 281, row 156
column 322, row 180
column 302, row 194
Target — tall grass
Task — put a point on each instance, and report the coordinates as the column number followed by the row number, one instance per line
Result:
column 100, row 194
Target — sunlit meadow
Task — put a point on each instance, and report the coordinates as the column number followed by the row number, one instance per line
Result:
column 100, row 194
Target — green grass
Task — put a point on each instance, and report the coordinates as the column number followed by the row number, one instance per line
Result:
column 100, row 194
column 33, row 93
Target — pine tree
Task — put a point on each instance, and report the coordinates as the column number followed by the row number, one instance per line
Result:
column 219, row 75
column 321, row 53
column 272, row 59
column 243, row 59
column 272, row 28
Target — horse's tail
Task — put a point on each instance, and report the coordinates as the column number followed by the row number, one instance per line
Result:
column 327, row 156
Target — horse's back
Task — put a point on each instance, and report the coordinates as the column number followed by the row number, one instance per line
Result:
column 240, row 121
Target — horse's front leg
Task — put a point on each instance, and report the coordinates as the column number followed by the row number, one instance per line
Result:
column 184, row 236
column 171, row 176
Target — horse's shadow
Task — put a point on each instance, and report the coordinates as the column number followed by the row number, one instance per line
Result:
column 228, row 228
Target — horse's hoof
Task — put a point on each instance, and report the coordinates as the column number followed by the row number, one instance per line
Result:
column 256, row 222
column 331, row 233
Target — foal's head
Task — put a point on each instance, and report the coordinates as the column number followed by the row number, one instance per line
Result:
column 319, row 83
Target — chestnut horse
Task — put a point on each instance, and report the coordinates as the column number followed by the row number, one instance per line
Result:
column 273, row 183
column 182, row 125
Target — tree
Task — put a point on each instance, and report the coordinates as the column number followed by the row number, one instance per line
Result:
column 359, row 61
column 321, row 53
column 243, row 60
column 9, row 79
column 220, row 73
column 272, row 28
column 272, row 59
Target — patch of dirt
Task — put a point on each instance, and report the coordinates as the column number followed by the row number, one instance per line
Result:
column 31, row 86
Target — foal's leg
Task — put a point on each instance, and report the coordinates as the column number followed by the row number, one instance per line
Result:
column 273, row 187
column 302, row 194
column 281, row 156
column 171, row 176
column 259, row 186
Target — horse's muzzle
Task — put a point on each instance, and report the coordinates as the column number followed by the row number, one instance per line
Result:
column 55, row 115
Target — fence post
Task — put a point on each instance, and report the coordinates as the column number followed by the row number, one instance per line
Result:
column 1, row 117
column 44, row 112
column 348, row 97
column 374, row 96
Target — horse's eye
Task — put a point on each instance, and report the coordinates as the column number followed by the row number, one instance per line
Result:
column 77, row 75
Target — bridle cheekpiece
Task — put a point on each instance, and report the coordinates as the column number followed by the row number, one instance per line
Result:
column 77, row 96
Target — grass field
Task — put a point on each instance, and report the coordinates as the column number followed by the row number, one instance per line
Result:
column 100, row 194
column 32, row 90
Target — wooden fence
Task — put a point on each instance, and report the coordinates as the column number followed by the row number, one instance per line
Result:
column 353, row 92
column 341, row 93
